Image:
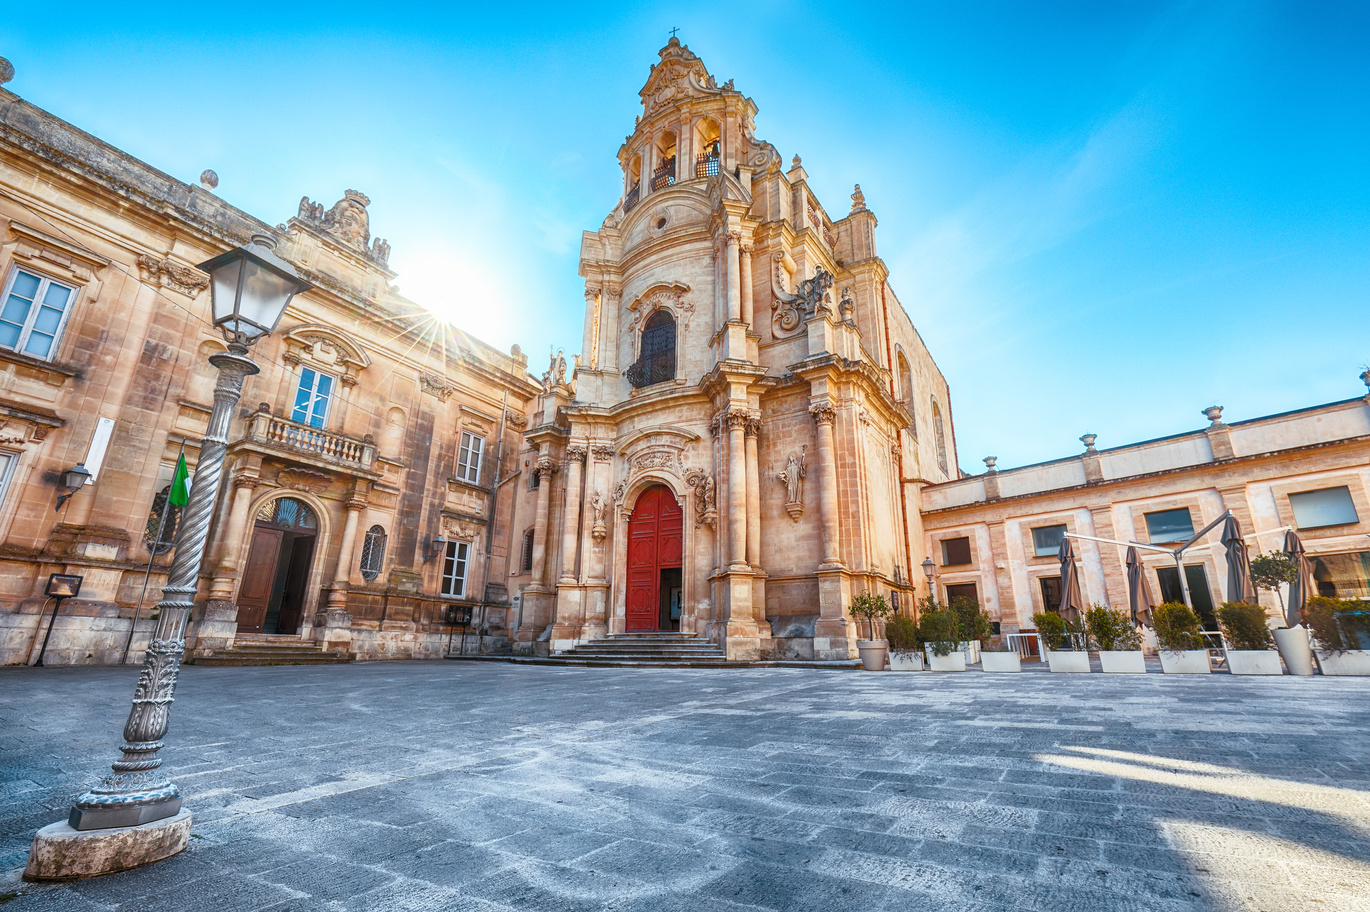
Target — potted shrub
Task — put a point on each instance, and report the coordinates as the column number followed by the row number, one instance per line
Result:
column 1270, row 572
column 870, row 606
column 1116, row 637
column 940, row 631
column 1061, row 640
column 906, row 646
column 1341, row 634
column 974, row 624
column 1246, row 635
column 1182, row 645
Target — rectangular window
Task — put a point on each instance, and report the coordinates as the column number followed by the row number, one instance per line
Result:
column 1328, row 507
column 1345, row 576
column 7, row 463
column 1051, row 592
column 955, row 551
column 468, row 458
column 1200, row 597
column 454, row 569
column 1169, row 526
column 312, row 398
column 35, row 307
column 526, row 564
column 1046, row 540
column 962, row 591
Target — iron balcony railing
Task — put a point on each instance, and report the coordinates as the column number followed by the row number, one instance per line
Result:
column 664, row 175
column 632, row 197
column 706, row 166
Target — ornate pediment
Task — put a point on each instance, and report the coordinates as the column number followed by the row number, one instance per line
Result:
column 668, row 295
column 679, row 75
column 348, row 222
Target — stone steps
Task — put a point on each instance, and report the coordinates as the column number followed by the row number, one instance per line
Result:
column 646, row 649
column 266, row 649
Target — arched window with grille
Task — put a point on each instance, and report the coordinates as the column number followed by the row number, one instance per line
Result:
column 161, row 542
column 941, row 436
column 656, row 359
column 373, row 553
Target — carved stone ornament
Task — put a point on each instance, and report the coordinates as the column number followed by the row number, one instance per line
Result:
column 304, row 480
column 599, row 530
column 792, row 476
column 790, row 311
column 680, row 75
column 858, row 200
column 575, row 454
column 656, row 459
column 437, row 386
column 347, row 221
column 460, row 529
column 669, row 296
column 706, row 497
column 546, row 468
column 602, row 453
column 516, row 419
column 846, row 308
column 822, row 413
column 166, row 274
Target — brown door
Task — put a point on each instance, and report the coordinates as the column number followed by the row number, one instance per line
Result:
column 296, row 579
column 655, row 543
column 254, row 596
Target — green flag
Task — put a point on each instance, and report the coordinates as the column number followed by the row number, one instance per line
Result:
column 179, row 495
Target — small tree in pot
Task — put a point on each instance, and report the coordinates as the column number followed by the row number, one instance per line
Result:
column 1271, row 571
column 870, row 606
column 1248, row 639
column 1341, row 634
column 1180, row 635
column 1051, row 627
column 940, row 630
column 1117, row 640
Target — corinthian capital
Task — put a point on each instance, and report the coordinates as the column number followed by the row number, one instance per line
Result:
column 545, row 468
column 753, row 425
column 736, row 418
column 822, row 413
column 575, row 454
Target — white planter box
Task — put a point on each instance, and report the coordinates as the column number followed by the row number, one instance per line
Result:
column 1185, row 662
column 971, row 650
column 906, row 661
column 873, row 653
column 1254, row 662
column 953, row 661
column 1068, row 662
column 1293, row 645
column 1351, row 662
column 1122, row 661
column 1000, row 662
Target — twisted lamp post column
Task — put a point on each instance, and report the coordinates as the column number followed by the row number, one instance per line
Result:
column 138, row 792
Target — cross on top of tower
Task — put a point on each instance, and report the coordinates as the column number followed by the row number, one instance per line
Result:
column 673, row 31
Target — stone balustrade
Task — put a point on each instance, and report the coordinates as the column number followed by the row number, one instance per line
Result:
column 280, row 433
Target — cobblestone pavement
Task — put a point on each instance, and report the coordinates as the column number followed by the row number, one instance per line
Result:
column 468, row 786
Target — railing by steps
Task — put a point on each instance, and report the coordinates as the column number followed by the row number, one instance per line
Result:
column 280, row 433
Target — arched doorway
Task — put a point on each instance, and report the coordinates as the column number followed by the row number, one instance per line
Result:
column 271, row 598
column 655, row 548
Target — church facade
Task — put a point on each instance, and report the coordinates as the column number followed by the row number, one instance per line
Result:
column 742, row 442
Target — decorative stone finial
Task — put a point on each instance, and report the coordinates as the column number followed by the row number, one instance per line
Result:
column 1365, row 378
column 1214, row 413
column 795, row 162
column 6, row 71
column 858, row 200
column 1088, row 441
column 990, row 461
column 208, row 179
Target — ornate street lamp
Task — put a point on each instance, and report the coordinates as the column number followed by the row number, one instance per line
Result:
column 250, row 288
column 72, row 480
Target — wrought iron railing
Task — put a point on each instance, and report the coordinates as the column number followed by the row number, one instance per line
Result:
column 664, row 175
column 706, row 166
column 631, row 198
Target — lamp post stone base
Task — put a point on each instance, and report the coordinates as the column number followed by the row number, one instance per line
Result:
column 100, row 818
column 62, row 853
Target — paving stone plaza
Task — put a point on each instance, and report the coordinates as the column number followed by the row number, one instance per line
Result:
column 485, row 786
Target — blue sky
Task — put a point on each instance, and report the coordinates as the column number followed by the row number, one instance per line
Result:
column 1102, row 217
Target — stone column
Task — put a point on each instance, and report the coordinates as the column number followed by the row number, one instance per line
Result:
column 545, row 469
column 575, row 460
column 337, row 598
column 753, row 495
column 823, row 416
column 747, row 316
column 737, row 489
column 231, row 546
column 734, row 284
column 608, row 327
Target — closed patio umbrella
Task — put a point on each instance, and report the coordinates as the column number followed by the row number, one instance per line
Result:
column 1302, row 588
column 1072, row 605
column 1239, row 588
column 1138, row 590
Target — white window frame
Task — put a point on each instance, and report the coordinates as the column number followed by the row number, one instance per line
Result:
column 454, row 584
column 26, row 329
column 469, row 456
column 314, row 397
column 7, row 472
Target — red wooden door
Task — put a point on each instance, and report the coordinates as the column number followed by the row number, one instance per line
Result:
column 254, row 595
column 655, row 541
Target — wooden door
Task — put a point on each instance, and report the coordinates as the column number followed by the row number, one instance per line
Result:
column 254, row 596
column 655, row 542
column 296, row 584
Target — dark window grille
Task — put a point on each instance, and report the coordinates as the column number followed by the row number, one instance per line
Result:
column 373, row 553
column 288, row 513
column 706, row 165
column 526, row 564
column 664, row 175
column 163, row 543
column 656, row 363
column 632, row 198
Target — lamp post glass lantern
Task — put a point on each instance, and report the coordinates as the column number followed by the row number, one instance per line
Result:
column 250, row 288
column 73, row 479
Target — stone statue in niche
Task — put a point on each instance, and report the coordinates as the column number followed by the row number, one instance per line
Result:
column 793, row 478
column 547, row 381
column 560, row 377
column 598, row 509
